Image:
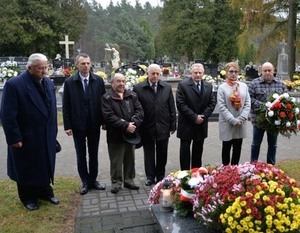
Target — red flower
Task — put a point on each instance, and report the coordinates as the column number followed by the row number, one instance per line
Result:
column 289, row 106
column 291, row 115
column 277, row 105
column 282, row 115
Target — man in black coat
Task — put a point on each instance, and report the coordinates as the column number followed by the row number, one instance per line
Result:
column 123, row 115
column 158, row 103
column 83, row 118
column 29, row 120
column 195, row 103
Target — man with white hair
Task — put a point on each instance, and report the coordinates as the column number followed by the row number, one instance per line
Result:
column 157, row 100
column 29, row 120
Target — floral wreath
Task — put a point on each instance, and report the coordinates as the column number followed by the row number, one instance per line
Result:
column 134, row 74
column 280, row 115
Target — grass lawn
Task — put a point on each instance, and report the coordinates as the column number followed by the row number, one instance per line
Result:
column 49, row 218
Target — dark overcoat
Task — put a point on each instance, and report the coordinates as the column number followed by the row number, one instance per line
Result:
column 26, row 118
column 118, row 113
column 74, row 102
column 159, row 110
column 191, row 103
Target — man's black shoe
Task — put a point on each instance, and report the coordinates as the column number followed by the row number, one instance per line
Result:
column 131, row 186
column 53, row 200
column 149, row 182
column 97, row 186
column 84, row 189
column 31, row 206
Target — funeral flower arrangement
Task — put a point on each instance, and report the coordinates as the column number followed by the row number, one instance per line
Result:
column 256, row 197
column 134, row 74
column 8, row 70
column 250, row 197
column 280, row 115
column 182, row 185
column 133, row 78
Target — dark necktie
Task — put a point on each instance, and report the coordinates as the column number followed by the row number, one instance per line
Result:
column 154, row 87
column 199, row 87
column 85, row 81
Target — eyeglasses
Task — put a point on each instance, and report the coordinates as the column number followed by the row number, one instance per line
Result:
column 267, row 70
column 233, row 71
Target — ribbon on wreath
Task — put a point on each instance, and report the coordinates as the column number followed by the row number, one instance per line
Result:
column 185, row 196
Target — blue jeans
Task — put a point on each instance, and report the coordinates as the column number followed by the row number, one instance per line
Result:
column 258, row 135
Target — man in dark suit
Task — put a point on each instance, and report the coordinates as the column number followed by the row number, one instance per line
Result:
column 157, row 100
column 29, row 120
column 195, row 103
column 83, row 118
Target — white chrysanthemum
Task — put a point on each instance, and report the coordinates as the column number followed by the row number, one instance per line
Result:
column 288, row 124
column 275, row 95
column 286, row 95
column 293, row 99
column 297, row 110
column 182, row 174
column 268, row 104
column 277, row 122
column 271, row 113
column 193, row 182
column 298, row 122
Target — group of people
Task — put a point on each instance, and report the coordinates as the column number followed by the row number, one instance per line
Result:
column 145, row 115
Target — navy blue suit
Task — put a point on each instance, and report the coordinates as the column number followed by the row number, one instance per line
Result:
column 31, row 118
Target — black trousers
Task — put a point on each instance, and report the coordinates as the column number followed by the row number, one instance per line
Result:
column 29, row 193
column 155, row 158
column 236, row 145
column 87, row 141
column 186, row 163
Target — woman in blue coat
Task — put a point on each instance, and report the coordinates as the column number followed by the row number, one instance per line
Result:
column 29, row 119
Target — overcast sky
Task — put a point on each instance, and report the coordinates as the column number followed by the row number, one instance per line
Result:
column 105, row 3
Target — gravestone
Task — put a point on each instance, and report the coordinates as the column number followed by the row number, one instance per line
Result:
column 251, row 72
column 282, row 62
column 68, row 63
column 57, row 63
column 211, row 69
column 22, row 62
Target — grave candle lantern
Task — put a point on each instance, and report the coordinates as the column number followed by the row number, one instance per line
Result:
column 167, row 199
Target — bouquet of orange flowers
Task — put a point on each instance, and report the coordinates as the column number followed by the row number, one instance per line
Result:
column 280, row 115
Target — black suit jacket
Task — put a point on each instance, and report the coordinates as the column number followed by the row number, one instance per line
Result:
column 191, row 103
column 74, row 102
column 159, row 110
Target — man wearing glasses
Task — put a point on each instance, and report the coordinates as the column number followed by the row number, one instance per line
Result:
column 259, row 90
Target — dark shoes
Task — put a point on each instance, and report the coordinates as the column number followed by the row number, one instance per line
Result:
column 53, row 200
column 149, row 182
column 131, row 186
column 115, row 190
column 84, row 189
column 97, row 186
column 31, row 206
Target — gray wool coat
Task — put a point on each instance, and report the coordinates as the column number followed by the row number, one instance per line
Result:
column 228, row 115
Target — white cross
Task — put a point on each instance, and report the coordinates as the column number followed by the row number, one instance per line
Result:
column 66, row 42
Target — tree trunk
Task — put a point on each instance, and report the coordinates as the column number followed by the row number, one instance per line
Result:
column 292, row 37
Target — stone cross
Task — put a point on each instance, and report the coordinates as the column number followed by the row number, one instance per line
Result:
column 66, row 42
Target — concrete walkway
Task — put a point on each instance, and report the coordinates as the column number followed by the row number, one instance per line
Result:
column 128, row 211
